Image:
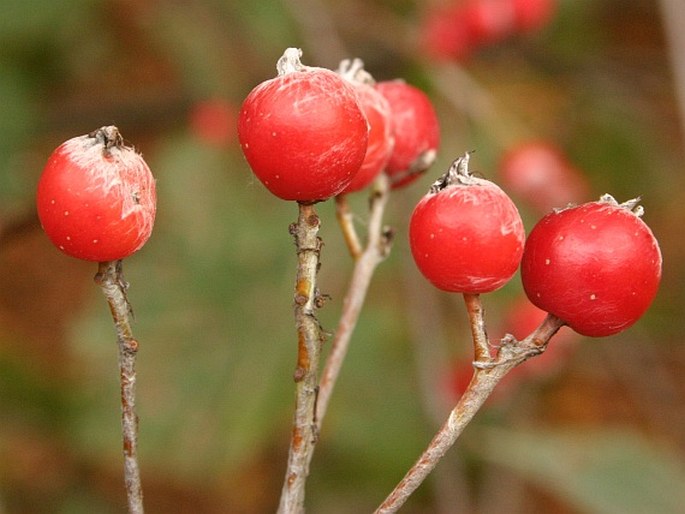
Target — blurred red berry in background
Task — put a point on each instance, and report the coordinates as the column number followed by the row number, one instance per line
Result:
column 443, row 34
column 214, row 121
column 455, row 30
column 520, row 320
column 539, row 173
column 489, row 21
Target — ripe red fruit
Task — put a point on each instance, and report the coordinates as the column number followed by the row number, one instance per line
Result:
column 303, row 132
column 466, row 234
column 96, row 198
column 415, row 129
column 597, row 266
column 539, row 173
column 377, row 111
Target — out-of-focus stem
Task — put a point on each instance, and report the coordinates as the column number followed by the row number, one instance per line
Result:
column 488, row 371
column 309, row 339
column 377, row 248
column 110, row 279
column 673, row 15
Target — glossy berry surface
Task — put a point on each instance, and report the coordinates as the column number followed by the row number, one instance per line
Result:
column 96, row 197
column 597, row 266
column 466, row 235
column 377, row 111
column 415, row 129
column 303, row 132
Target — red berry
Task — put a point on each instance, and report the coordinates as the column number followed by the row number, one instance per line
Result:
column 489, row 21
column 466, row 234
column 444, row 33
column 415, row 129
column 96, row 197
column 597, row 266
column 377, row 111
column 539, row 173
column 214, row 121
column 303, row 132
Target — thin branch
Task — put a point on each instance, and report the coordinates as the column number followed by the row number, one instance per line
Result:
column 309, row 336
column 481, row 343
column 111, row 280
column 488, row 371
column 345, row 219
column 377, row 248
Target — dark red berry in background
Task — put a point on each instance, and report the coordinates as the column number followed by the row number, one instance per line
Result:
column 466, row 235
column 521, row 318
column 303, row 133
column 213, row 121
column 456, row 30
column 444, row 35
column 489, row 21
column 597, row 266
column 96, row 198
column 377, row 111
column 415, row 129
column 539, row 173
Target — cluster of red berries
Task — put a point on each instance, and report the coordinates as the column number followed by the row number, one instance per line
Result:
column 311, row 133
column 596, row 266
column 455, row 30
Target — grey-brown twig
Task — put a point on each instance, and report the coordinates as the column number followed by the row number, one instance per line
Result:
column 378, row 242
column 309, row 339
column 488, row 371
column 110, row 279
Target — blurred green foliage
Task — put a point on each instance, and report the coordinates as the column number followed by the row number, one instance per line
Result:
column 212, row 290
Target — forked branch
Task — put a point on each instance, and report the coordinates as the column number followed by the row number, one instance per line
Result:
column 488, row 371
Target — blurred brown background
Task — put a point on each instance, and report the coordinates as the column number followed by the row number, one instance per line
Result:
column 603, row 432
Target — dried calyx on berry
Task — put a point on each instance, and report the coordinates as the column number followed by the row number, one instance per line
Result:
column 457, row 174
